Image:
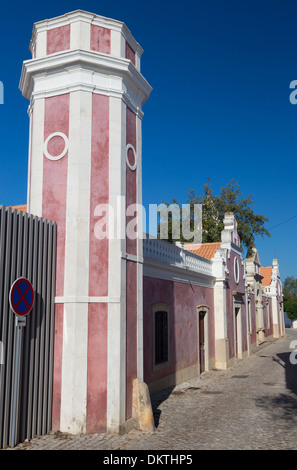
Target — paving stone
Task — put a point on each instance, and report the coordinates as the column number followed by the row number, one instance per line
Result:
column 252, row 405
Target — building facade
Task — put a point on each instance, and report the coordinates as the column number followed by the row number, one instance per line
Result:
column 125, row 308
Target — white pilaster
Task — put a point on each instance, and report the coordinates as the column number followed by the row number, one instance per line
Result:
column 75, row 328
column 36, row 167
column 74, row 368
column 80, row 35
column 275, row 318
column 220, row 311
column 116, row 43
column 116, row 359
column 41, row 43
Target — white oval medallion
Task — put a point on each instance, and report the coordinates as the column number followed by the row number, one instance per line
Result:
column 50, row 137
column 132, row 167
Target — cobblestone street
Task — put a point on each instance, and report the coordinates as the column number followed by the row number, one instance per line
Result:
column 250, row 406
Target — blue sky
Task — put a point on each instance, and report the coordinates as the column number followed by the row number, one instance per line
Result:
column 220, row 72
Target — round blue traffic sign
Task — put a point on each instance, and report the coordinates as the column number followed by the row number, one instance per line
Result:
column 21, row 296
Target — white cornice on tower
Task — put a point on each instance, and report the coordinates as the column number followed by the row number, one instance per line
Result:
column 68, row 71
column 85, row 17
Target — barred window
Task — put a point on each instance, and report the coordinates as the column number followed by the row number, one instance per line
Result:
column 161, row 337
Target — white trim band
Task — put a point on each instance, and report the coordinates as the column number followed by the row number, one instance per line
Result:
column 86, row 299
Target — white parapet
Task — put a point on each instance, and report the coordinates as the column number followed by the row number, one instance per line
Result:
column 174, row 255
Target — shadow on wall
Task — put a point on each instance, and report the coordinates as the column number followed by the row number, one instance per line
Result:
column 157, row 399
column 288, row 322
column 284, row 405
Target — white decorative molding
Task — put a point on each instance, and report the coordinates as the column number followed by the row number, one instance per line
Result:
column 74, row 70
column 169, row 253
column 164, row 260
column 86, row 299
column 132, row 167
column 158, row 270
column 62, row 154
column 236, row 270
column 88, row 17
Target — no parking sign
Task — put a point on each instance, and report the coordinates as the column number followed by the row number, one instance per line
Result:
column 21, row 297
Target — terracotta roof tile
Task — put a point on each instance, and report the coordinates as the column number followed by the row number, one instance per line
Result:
column 20, row 207
column 206, row 250
column 266, row 272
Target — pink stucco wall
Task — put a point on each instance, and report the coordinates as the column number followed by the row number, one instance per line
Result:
column 131, row 325
column 100, row 39
column 131, row 176
column 99, row 249
column 98, row 277
column 56, row 119
column 268, row 331
column 58, row 39
column 55, row 178
column 97, row 367
column 131, row 271
column 183, row 339
column 130, row 54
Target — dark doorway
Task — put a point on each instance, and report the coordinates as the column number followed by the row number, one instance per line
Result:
column 201, row 342
column 237, row 309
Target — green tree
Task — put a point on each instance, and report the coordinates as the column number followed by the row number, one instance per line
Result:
column 290, row 307
column 290, row 297
column 249, row 224
column 290, row 288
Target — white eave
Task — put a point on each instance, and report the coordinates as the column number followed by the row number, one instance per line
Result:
column 68, row 61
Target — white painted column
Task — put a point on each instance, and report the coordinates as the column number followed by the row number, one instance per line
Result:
column 276, row 328
column 221, row 336
column 76, row 285
column 36, row 165
column 117, row 44
column 116, row 359
column 41, row 42
column 80, row 35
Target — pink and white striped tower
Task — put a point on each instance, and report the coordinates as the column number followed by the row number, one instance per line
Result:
column 86, row 94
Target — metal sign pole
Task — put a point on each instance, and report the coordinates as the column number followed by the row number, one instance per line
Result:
column 21, row 299
column 16, row 383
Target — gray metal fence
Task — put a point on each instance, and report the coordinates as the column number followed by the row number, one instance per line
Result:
column 27, row 249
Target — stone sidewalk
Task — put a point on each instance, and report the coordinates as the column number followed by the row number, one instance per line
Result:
column 250, row 406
